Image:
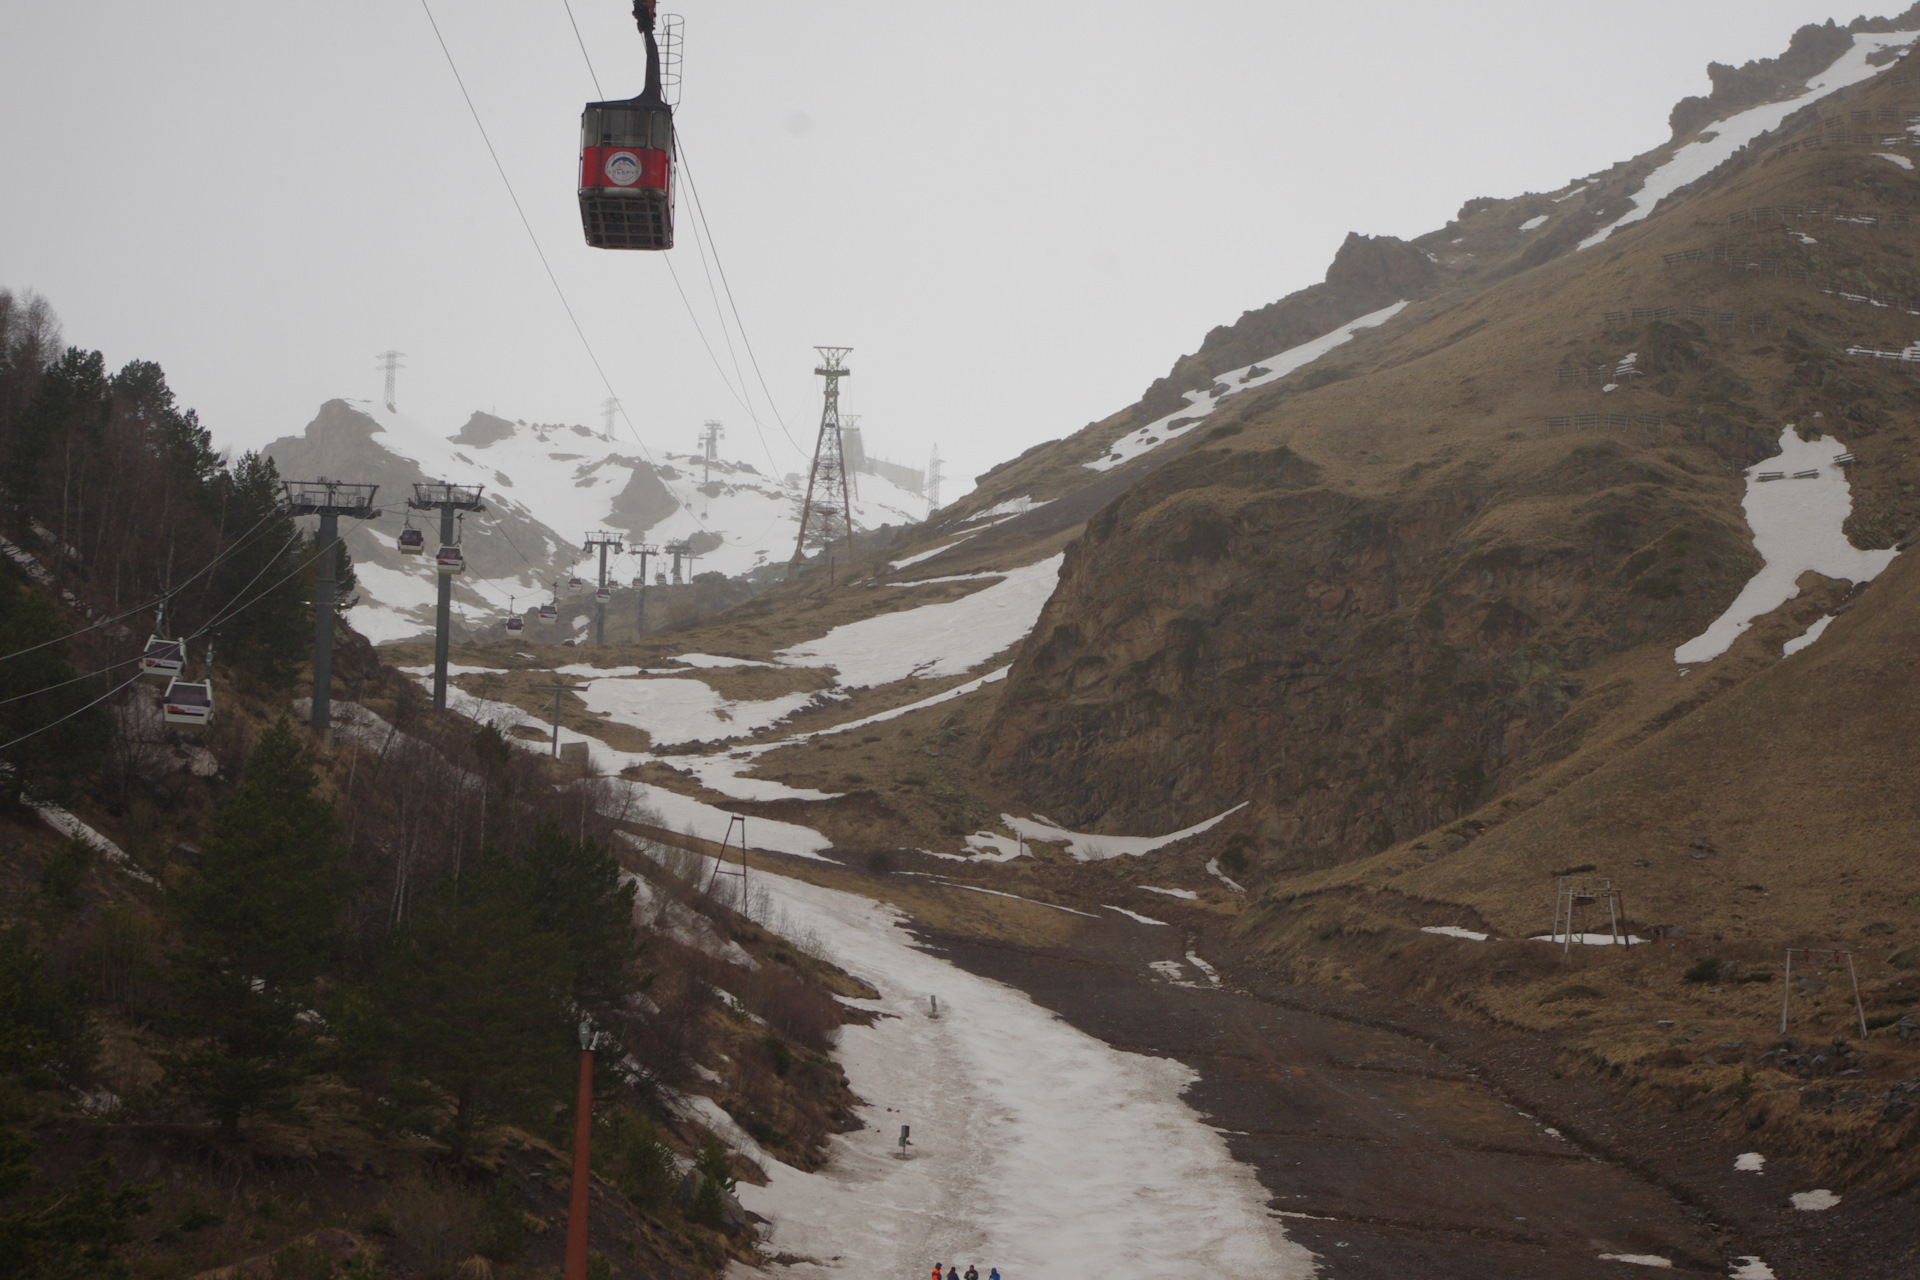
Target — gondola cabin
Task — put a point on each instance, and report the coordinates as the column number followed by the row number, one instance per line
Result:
column 189, row 703
column 163, row 658
column 412, row 542
column 548, row 613
column 516, row 623
column 603, row 595
column 626, row 174
column 576, row 583
column 450, row 560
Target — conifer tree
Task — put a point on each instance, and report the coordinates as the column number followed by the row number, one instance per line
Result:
column 578, row 894
column 260, row 919
column 36, row 692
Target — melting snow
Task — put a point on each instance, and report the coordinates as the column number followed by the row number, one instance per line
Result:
column 1213, row 869
column 1201, row 403
column 1589, row 939
column 1453, row 931
column 925, row 555
column 1699, row 158
column 1133, row 915
column 1902, row 161
column 1094, row 848
column 1188, row 894
column 685, row 710
column 937, row 639
column 1811, row 1201
column 1039, row 1148
column 1531, row 223
column 1213, row 975
column 1638, row 1259
column 1750, row 1162
column 1806, row 637
column 1751, row 1268
column 1796, row 527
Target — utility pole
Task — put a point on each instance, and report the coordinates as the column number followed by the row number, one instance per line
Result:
column 643, row 550
column 609, row 407
column 390, row 360
column 559, row 687
column 578, row 1197
column 710, row 446
column 827, row 517
column 604, row 541
column 933, row 481
column 328, row 499
column 446, row 499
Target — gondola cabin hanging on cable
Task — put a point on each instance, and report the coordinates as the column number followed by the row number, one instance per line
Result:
column 627, row 150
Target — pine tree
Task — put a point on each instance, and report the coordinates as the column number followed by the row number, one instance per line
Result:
column 579, row 894
column 472, row 999
column 35, row 693
column 260, row 919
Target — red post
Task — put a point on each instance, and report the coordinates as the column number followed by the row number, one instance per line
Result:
column 582, row 1172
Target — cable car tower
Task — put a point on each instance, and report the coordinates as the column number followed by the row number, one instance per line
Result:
column 602, row 542
column 827, row 515
column 328, row 499
column 627, row 151
column 446, row 499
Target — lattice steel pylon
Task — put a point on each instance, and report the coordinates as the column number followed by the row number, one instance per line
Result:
column 826, row 517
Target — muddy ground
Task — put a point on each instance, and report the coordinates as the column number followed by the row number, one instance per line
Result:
column 1396, row 1143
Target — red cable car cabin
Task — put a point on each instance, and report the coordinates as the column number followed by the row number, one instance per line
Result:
column 626, row 162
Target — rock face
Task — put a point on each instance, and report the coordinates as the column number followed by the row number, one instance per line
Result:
column 1811, row 51
column 1369, row 272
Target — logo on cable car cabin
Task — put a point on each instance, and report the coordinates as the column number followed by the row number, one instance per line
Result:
column 623, row 168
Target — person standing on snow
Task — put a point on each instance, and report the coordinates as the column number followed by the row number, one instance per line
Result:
column 973, row 1272
column 936, row 1271
column 951, row 1273
column 994, row 1274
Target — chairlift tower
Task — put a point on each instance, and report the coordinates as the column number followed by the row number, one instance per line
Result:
column 826, row 516
column 643, row 550
column 446, row 499
column 609, row 407
column 603, row 542
column 710, row 434
column 934, row 478
column 390, row 362
column 328, row 499
column 681, row 549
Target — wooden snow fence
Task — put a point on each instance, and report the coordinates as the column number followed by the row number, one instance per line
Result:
column 1621, row 422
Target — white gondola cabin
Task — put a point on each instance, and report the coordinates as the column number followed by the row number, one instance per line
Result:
column 413, row 542
column 548, row 613
column 163, row 658
column 603, row 595
column 189, row 703
column 450, row 560
column 516, row 623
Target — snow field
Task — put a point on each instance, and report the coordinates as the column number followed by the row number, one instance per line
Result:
column 1134, row 916
column 1453, row 931
column 1813, row 1201
column 1699, row 158
column 1534, row 223
column 1796, row 527
column 936, row 639
column 1200, row 403
column 1037, row 1149
column 1750, row 1162
column 684, row 710
column 1097, row 848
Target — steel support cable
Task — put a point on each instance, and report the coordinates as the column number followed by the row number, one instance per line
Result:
column 245, row 538
column 701, row 212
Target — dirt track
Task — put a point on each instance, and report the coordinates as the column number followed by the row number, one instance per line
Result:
column 1397, row 1144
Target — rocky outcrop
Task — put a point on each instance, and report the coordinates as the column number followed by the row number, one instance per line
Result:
column 1811, row 51
column 1368, row 272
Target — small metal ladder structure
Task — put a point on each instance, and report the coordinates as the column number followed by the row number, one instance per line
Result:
column 1808, row 953
column 1574, row 896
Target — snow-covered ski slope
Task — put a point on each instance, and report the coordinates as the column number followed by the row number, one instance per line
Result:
column 1722, row 138
column 1258, row 374
column 1036, row 1149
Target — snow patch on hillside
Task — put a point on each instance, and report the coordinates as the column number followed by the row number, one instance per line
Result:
column 1796, row 527
column 1201, row 403
column 1724, row 137
column 933, row 640
column 1085, row 847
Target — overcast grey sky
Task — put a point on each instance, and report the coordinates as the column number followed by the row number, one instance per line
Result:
column 1017, row 214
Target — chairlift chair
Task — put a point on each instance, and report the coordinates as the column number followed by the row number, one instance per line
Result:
column 626, row 159
column 451, row 560
column 413, row 542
